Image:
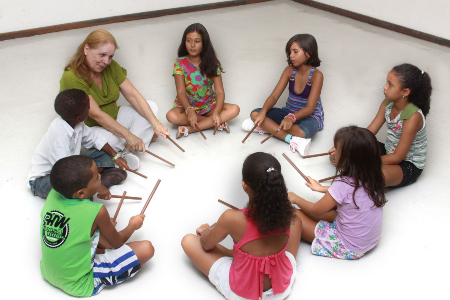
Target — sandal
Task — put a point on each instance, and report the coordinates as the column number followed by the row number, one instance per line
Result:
column 223, row 127
column 182, row 131
column 113, row 176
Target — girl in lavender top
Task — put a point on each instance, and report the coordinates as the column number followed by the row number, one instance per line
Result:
column 347, row 221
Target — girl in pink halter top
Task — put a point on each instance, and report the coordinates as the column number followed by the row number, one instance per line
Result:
column 266, row 237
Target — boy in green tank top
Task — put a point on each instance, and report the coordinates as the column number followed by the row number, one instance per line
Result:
column 82, row 252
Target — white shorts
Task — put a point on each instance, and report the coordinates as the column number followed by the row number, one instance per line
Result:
column 129, row 118
column 220, row 272
column 114, row 267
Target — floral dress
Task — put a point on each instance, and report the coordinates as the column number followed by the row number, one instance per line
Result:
column 199, row 88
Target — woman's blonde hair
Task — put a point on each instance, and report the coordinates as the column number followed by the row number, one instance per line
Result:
column 78, row 61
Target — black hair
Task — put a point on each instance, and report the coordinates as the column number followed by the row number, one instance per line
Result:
column 309, row 45
column 210, row 63
column 360, row 160
column 270, row 207
column 71, row 103
column 70, row 174
column 418, row 82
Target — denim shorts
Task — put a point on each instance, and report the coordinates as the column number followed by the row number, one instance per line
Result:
column 308, row 125
column 410, row 171
column 41, row 186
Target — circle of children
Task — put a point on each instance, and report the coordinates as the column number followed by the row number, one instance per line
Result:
column 345, row 223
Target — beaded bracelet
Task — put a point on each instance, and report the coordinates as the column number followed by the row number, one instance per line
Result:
column 292, row 117
column 187, row 109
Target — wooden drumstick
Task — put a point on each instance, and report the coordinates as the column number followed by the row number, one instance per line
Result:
column 248, row 134
column 137, row 173
column 201, row 132
column 227, row 204
column 150, row 197
column 168, row 162
column 120, row 205
column 215, row 129
column 170, row 139
column 295, row 167
column 315, row 155
column 328, row 178
column 269, row 137
column 126, row 197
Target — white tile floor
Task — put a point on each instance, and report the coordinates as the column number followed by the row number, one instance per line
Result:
column 250, row 43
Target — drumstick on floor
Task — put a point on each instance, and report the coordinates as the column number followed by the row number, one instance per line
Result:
column 120, row 205
column 126, row 197
column 315, row 155
column 170, row 139
column 137, row 173
column 215, row 129
column 150, row 197
column 227, row 204
column 250, row 132
column 269, row 136
column 328, row 178
column 168, row 162
column 295, row 167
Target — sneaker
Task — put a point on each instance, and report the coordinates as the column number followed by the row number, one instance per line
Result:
column 248, row 125
column 132, row 160
column 300, row 144
column 113, row 176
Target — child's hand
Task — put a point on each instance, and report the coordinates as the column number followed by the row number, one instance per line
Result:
column 121, row 163
column 259, row 118
column 103, row 193
column 286, row 124
column 200, row 230
column 192, row 117
column 137, row 221
column 314, row 185
column 216, row 119
column 291, row 197
column 114, row 222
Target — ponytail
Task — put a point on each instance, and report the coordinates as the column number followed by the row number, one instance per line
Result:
column 418, row 82
column 270, row 207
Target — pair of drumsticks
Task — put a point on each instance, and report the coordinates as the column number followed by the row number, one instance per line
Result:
column 151, row 153
column 134, row 198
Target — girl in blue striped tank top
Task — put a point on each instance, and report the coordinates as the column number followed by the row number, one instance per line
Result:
column 302, row 116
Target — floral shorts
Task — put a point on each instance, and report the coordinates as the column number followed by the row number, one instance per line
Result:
column 328, row 244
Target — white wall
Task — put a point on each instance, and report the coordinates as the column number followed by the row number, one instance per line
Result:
column 429, row 16
column 18, row 15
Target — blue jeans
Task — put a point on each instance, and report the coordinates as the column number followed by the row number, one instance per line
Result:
column 308, row 125
column 41, row 186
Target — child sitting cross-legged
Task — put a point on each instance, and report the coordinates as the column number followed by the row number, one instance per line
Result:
column 64, row 137
column 82, row 252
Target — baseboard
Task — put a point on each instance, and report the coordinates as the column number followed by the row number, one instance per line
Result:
column 123, row 18
column 376, row 22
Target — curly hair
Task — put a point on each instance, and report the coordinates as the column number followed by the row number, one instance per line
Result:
column 210, row 63
column 360, row 159
column 309, row 45
column 419, row 84
column 71, row 103
column 70, row 174
column 270, row 207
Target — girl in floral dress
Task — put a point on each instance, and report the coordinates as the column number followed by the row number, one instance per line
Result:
column 198, row 105
column 347, row 221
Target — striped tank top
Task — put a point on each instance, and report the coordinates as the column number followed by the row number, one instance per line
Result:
column 295, row 102
column 417, row 153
